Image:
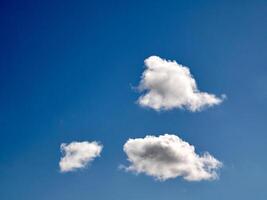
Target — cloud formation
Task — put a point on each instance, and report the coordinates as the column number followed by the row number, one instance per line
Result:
column 168, row 156
column 167, row 85
column 77, row 155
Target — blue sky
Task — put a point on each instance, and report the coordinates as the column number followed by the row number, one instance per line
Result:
column 66, row 74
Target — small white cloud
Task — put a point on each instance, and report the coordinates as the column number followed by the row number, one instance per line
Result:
column 167, row 85
column 168, row 156
column 77, row 155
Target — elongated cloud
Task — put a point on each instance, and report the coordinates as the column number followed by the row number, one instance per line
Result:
column 167, row 85
column 78, row 155
column 168, row 156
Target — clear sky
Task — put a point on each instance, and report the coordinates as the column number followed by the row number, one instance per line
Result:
column 67, row 72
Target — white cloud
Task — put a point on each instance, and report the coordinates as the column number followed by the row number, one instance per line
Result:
column 167, row 85
column 78, row 155
column 168, row 156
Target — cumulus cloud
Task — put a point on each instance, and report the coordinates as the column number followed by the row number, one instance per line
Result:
column 168, row 156
column 78, row 155
column 167, row 85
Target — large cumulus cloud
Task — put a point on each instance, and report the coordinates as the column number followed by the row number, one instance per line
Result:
column 168, row 156
column 167, row 85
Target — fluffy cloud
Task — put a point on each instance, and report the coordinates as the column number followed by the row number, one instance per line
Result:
column 168, row 156
column 169, row 85
column 78, row 155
